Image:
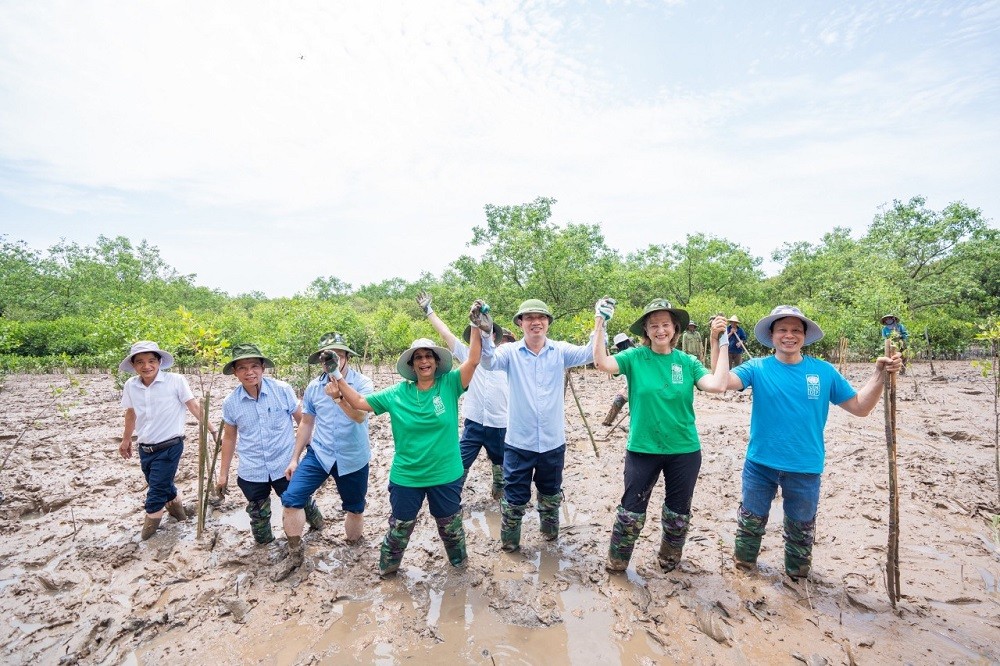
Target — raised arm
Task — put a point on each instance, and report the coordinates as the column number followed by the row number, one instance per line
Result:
column 720, row 379
column 604, row 309
column 424, row 301
column 865, row 400
column 468, row 367
column 353, row 398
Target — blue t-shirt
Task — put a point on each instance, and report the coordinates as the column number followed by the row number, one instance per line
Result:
column 791, row 403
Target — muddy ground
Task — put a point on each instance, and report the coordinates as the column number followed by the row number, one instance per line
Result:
column 76, row 583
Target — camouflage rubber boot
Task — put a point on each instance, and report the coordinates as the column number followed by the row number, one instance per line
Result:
column 675, row 529
column 176, row 509
column 749, row 531
column 548, row 515
column 498, row 483
column 149, row 527
column 453, row 536
column 616, row 408
column 798, row 547
column 394, row 545
column 628, row 527
column 260, row 520
column 510, row 525
column 314, row 516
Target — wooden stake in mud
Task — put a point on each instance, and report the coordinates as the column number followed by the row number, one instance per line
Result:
column 930, row 353
column 892, row 554
column 590, row 434
column 842, row 353
column 202, row 464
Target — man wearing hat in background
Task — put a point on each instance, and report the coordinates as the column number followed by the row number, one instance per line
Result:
column 737, row 341
column 893, row 328
column 154, row 403
column 536, row 436
column 621, row 343
column 692, row 343
column 484, row 408
column 791, row 401
column 337, row 435
column 259, row 417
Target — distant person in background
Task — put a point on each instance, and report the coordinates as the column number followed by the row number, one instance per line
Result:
column 621, row 342
column 893, row 328
column 737, row 341
column 155, row 403
column 692, row 343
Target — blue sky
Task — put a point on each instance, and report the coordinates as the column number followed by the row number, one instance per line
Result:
column 248, row 140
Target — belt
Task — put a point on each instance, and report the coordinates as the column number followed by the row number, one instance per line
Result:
column 159, row 446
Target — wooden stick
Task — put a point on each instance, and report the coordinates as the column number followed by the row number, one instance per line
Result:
column 930, row 354
column 584, row 416
column 202, row 464
column 892, row 554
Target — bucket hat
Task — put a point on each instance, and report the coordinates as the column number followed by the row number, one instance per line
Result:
column 532, row 305
column 762, row 331
column 330, row 341
column 735, row 319
column 622, row 341
column 243, row 351
column 660, row 305
column 166, row 358
column 498, row 333
column 885, row 318
column 403, row 364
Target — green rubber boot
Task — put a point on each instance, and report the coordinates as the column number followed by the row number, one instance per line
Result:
column 498, row 483
column 453, row 536
column 510, row 525
column 394, row 545
column 548, row 515
column 628, row 526
column 314, row 516
column 260, row 520
column 675, row 529
column 799, row 539
column 749, row 531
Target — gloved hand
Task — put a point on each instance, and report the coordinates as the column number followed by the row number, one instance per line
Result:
column 605, row 308
column 479, row 316
column 424, row 301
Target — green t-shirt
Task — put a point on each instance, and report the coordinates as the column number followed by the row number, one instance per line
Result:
column 661, row 399
column 424, row 430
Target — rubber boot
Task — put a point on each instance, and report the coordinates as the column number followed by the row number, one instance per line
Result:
column 749, row 531
column 628, row 526
column 798, row 547
column 548, row 515
column 498, row 483
column 296, row 558
column 314, row 516
column 675, row 529
column 176, row 509
column 149, row 527
column 394, row 545
column 260, row 520
column 453, row 536
column 616, row 408
column 510, row 525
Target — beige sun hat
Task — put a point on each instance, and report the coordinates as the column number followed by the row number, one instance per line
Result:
column 166, row 358
column 404, row 368
column 762, row 331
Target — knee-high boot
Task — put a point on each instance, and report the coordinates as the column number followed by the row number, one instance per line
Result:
column 798, row 547
column 510, row 524
column 627, row 528
column 749, row 531
column 453, row 536
column 675, row 529
column 394, row 545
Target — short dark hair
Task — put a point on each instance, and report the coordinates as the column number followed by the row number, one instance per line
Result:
column 154, row 353
column 436, row 357
column 805, row 326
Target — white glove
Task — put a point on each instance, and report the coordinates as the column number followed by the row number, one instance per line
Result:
column 605, row 308
column 424, row 301
column 479, row 316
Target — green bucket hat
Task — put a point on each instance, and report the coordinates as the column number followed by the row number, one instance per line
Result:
column 660, row 305
column 243, row 351
column 498, row 333
column 532, row 305
column 331, row 341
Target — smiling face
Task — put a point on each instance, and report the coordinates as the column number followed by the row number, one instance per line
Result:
column 788, row 335
column 535, row 325
column 249, row 371
column 146, row 365
column 661, row 331
column 424, row 363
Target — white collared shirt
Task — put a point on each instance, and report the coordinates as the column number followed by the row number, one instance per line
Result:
column 486, row 400
column 159, row 407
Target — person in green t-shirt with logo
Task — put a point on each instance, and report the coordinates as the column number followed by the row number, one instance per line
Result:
column 427, row 462
column 662, row 439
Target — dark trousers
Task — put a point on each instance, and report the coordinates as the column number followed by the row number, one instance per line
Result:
column 680, row 474
column 521, row 467
column 476, row 436
column 159, row 469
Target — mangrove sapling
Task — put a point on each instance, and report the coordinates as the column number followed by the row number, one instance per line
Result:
column 990, row 370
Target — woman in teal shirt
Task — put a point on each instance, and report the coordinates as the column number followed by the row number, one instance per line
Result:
column 662, row 437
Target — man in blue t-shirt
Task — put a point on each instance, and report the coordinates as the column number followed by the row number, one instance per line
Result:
column 792, row 397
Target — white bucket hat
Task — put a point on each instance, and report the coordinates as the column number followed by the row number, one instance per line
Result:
column 403, row 364
column 166, row 358
column 762, row 331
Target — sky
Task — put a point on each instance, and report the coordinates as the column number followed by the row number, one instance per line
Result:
column 261, row 145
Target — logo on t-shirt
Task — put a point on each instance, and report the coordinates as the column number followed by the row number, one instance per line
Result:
column 676, row 374
column 438, row 406
column 812, row 387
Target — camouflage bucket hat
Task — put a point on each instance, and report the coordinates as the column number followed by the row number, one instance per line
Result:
column 330, row 341
column 243, row 351
column 660, row 305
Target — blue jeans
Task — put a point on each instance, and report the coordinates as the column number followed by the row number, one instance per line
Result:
column 521, row 467
column 443, row 501
column 476, row 436
column 310, row 475
column 799, row 492
column 159, row 469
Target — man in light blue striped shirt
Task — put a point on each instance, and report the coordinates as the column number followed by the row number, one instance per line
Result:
column 535, row 445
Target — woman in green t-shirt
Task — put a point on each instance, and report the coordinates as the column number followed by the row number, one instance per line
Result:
column 662, row 437
column 427, row 462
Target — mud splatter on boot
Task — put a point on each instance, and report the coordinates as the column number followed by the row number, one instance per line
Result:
column 176, row 509
column 149, row 527
column 498, row 484
column 548, row 515
column 510, row 525
column 453, row 536
column 616, row 408
column 314, row 516
column 749, row 531
column 628, row 526
column 394, row 545
column 798, row 547
column 675, row 529
column 260, row 520
column 296, row 558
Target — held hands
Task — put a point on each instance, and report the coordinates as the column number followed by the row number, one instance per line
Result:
column 479, row 316
column 718, row 325
column 605, row 308
column 424, row 301
column 332, row 389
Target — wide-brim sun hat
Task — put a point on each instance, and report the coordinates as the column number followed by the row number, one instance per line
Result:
column 166, row 358
column 530, row 306
column 659, row 305
column 403, row 364
column 762, row 331
column 498, row 333
column 243, row 351
column 328, row 342
column 887, row 317
column 734, row 319
column 620, row 338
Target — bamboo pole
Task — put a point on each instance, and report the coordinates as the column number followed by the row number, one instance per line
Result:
column 211, row 469
column 590, row 434
column 202, row 463
column 892, row 553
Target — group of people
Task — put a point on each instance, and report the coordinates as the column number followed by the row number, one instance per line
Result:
column 514, row 409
